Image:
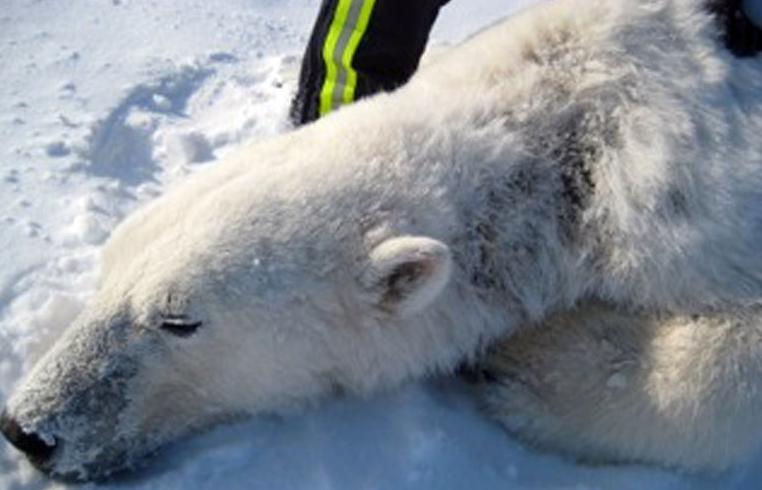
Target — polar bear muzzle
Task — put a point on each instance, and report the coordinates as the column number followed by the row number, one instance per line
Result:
column 69, row 416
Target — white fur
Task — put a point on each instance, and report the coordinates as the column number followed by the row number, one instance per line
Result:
column 605, row 150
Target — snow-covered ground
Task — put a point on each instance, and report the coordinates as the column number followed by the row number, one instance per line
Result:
column 105, row 103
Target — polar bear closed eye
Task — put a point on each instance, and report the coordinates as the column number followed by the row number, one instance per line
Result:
column 580, row 152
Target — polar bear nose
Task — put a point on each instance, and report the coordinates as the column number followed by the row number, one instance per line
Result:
column 37, row 450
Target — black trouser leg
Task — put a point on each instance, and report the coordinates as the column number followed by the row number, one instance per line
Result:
column 360, row 47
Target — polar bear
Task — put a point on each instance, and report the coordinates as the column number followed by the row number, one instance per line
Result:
column 570, row 202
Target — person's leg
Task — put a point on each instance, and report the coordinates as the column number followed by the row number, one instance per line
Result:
column 739, row 22
column 358, row 48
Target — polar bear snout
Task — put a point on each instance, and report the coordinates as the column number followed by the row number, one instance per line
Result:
column 38, row 451
column 71, row 416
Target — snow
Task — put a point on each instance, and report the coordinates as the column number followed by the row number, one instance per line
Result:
column 105, row 104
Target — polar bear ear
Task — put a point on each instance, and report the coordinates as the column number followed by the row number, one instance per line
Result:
column 405, row 274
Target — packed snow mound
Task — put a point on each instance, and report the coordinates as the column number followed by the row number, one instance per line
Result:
column 106, row 105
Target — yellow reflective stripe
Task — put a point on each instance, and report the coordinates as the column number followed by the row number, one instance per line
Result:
column 354, row 41
column 344, row 36
column 331, row 68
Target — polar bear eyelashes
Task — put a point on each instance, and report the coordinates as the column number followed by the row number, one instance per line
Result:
column 179, row 325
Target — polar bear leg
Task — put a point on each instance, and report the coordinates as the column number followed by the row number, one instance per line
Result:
column 601, row 386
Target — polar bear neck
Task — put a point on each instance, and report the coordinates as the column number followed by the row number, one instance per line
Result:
column 506, row 199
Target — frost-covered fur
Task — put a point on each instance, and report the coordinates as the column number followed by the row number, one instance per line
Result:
column 582, row 151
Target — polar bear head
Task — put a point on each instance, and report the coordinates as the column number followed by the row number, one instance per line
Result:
column 217, row 302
